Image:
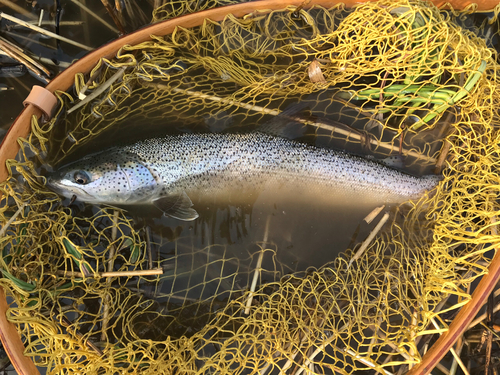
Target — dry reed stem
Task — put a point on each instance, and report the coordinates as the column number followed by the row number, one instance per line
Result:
column 50, row 23
column 480, row 318
column 99, row 90
column 442, row 156
column 43, row 31
column 148, row 245
column 369, row 239
column 39, row 23
column 89, row 11
column 334, row 129
column 372, row 215
column 257, row 268
column 387, row 359
column 459, row 343
column 94, row 74
column 375, row 334
column 263, row 370
column 151, row 272
column 381, row 335
column 159, row 296
column 288, row 363
column 12, row 46
column 66, row 323
column 111, row 263
column 365, row 361
column 454, row 365
column 11, row 220
column 489, row 334
column 18, row 9
column 111, row 12
column 85, row 20
column 314, row 354
column 442, row 368
column 414, row 325
column 452, row 350
column 30, row 40
column 157, row 4
column 16, row 56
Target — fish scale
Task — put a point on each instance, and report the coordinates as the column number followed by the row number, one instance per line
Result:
column 169, row 171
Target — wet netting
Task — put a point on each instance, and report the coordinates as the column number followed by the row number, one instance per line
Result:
column 87, row 287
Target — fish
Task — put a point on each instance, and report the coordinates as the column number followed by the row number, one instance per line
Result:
column 170, row 171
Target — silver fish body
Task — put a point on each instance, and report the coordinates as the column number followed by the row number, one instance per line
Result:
column 170, row 171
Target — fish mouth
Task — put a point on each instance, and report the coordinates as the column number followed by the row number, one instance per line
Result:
column 65, row 191
column 53, row 185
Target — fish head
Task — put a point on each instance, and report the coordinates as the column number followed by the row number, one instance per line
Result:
column 111, row 177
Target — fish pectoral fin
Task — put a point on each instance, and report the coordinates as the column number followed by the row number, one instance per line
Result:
column 177, row 206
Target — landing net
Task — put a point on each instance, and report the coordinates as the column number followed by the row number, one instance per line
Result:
column 386, row 78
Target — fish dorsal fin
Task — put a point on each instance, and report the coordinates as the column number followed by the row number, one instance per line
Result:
column 286, row 124
column 177, row 206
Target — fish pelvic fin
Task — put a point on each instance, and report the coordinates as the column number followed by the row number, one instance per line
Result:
column 177, row 206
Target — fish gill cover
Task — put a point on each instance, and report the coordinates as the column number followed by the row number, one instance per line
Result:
column 402, row 77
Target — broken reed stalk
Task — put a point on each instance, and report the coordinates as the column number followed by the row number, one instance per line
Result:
column 39, row 23
column 290, row 360
column 387, row 359
column 99, row 90
column 480, row 318
column 43, row 31
column 320, row 348
column 452, row 350
column 489, row 312
column 313, row 355
column 148, row 244
column 13, row 47
column 444, row 153
column 331, row 128
column 375, row 336
column 111, row 263
column 369, row 239
column 12, row 53
column 18, row 9
column 111, row 12
column 384, row 339
column 89, row 11
column 372, row 215
column 414, row 325
column 257, row 268
column 454, row 365
column 460, row 342
column 30, row 41
column 93, row 75
column 85, row 20
column 119, row 11
column 50, row 23
column 67, row 323
column 151, row 272
column 11, row 220
column 442, row 368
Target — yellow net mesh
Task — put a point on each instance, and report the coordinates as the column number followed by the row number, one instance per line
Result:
column 400, row 76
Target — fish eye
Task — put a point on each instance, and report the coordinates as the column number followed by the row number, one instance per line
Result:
column 81, row 178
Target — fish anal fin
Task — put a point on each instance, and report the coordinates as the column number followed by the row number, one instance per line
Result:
column 177, row 206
